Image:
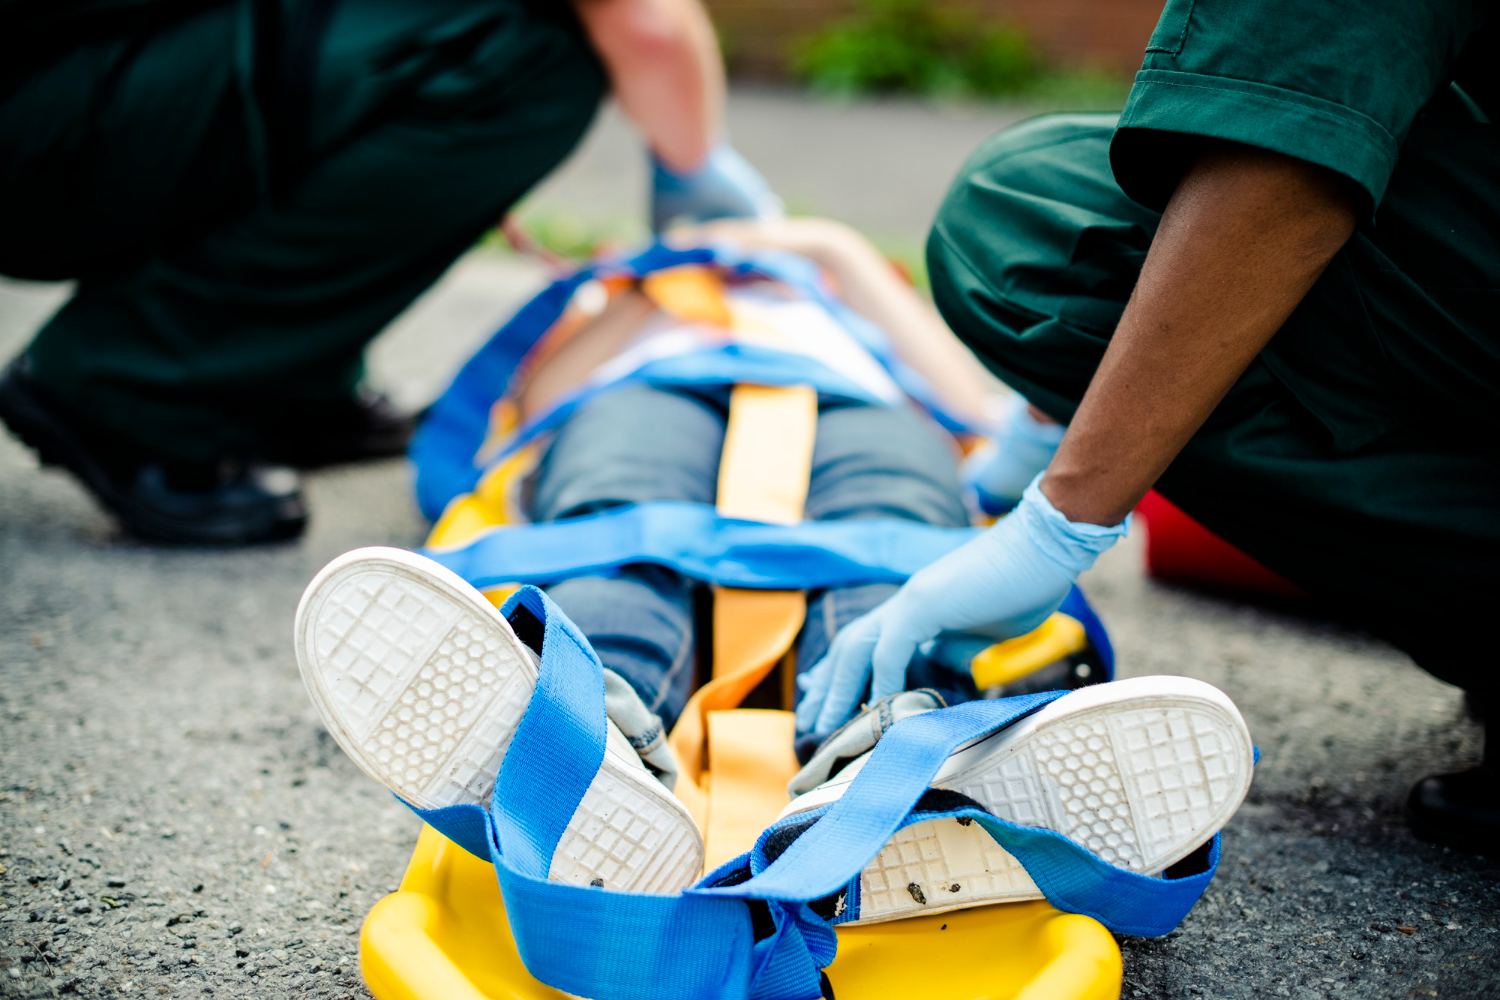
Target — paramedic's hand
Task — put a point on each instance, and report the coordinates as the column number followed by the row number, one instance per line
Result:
column 1009, row 579
column 725, row 187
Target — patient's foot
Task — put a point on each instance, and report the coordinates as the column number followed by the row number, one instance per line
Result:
column 422, row 682
column 1139, row 772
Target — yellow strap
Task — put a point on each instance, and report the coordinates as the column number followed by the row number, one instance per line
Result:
column 763, row 475
column 750, row 761
column 767, row 454
column 691, row 293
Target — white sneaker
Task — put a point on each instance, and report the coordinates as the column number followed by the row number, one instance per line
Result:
column 1140, row 772
column 422, row 682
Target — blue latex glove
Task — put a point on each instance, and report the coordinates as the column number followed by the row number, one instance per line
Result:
column 1008, row 580
column 725, row 187
column 997, row 473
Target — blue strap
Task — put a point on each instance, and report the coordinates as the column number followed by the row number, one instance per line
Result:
column 859, row 823
column 881, row 801
column 558, row 746
column 695, row 540
column 596, row 942
column 723, row 365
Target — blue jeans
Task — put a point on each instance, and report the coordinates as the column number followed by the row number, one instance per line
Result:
column 634, row 443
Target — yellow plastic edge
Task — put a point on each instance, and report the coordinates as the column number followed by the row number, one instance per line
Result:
column 444, row 936
column 1059, row 636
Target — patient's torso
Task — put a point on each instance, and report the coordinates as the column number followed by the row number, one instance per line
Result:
column 633, row 332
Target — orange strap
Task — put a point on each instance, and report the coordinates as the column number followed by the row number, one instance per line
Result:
column 763, row 475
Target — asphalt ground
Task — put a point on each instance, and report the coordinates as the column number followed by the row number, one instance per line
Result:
column 175, row 823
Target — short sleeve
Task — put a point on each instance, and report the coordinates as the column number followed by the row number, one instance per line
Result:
column 1333, row 82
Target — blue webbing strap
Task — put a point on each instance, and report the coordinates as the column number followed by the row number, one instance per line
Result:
column 558, row 745
column 723, row 365
column 597, row 942
column 881, row 796
column 695, row 540
column 880, row 801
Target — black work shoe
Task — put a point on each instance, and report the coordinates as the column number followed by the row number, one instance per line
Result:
column 369, row 426
column 1460, row 810
column 229, row 502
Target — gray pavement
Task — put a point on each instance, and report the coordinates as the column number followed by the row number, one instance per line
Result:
column 173, row 821
column 881, row 165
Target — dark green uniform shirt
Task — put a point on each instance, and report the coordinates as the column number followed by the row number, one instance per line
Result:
column 1334, row 82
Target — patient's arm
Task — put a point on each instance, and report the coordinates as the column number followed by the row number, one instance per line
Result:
column 590, row 346
column 871, row 286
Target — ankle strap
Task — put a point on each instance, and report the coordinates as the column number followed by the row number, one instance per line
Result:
column 887, row 795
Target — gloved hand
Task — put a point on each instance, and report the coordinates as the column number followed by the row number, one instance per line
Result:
column 998, row 471
column 1009, row 580
column 725, row 187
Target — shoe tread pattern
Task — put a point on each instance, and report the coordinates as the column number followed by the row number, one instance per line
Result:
column 1140, row 787
column 621, row 839
column 425, row 693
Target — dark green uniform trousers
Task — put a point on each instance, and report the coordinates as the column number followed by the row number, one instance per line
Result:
column 250, row 190
column 1360, row 454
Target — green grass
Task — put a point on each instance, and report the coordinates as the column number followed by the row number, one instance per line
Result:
column 936, row 49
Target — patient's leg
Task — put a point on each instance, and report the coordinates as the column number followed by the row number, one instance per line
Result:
column 874, row 461
column 630, row 444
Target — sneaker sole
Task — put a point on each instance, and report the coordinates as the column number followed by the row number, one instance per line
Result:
column 1140, row 772
column 422, row 682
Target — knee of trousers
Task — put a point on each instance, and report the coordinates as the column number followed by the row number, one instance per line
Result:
column 1034, row 253
column 508, row 86
column 640, row 624
column 630, row 444
column 877, row 461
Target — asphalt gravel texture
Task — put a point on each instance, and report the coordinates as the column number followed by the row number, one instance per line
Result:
column 175, row 823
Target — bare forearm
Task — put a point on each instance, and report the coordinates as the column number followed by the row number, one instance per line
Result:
column 1244, row 238
column 663, row 62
